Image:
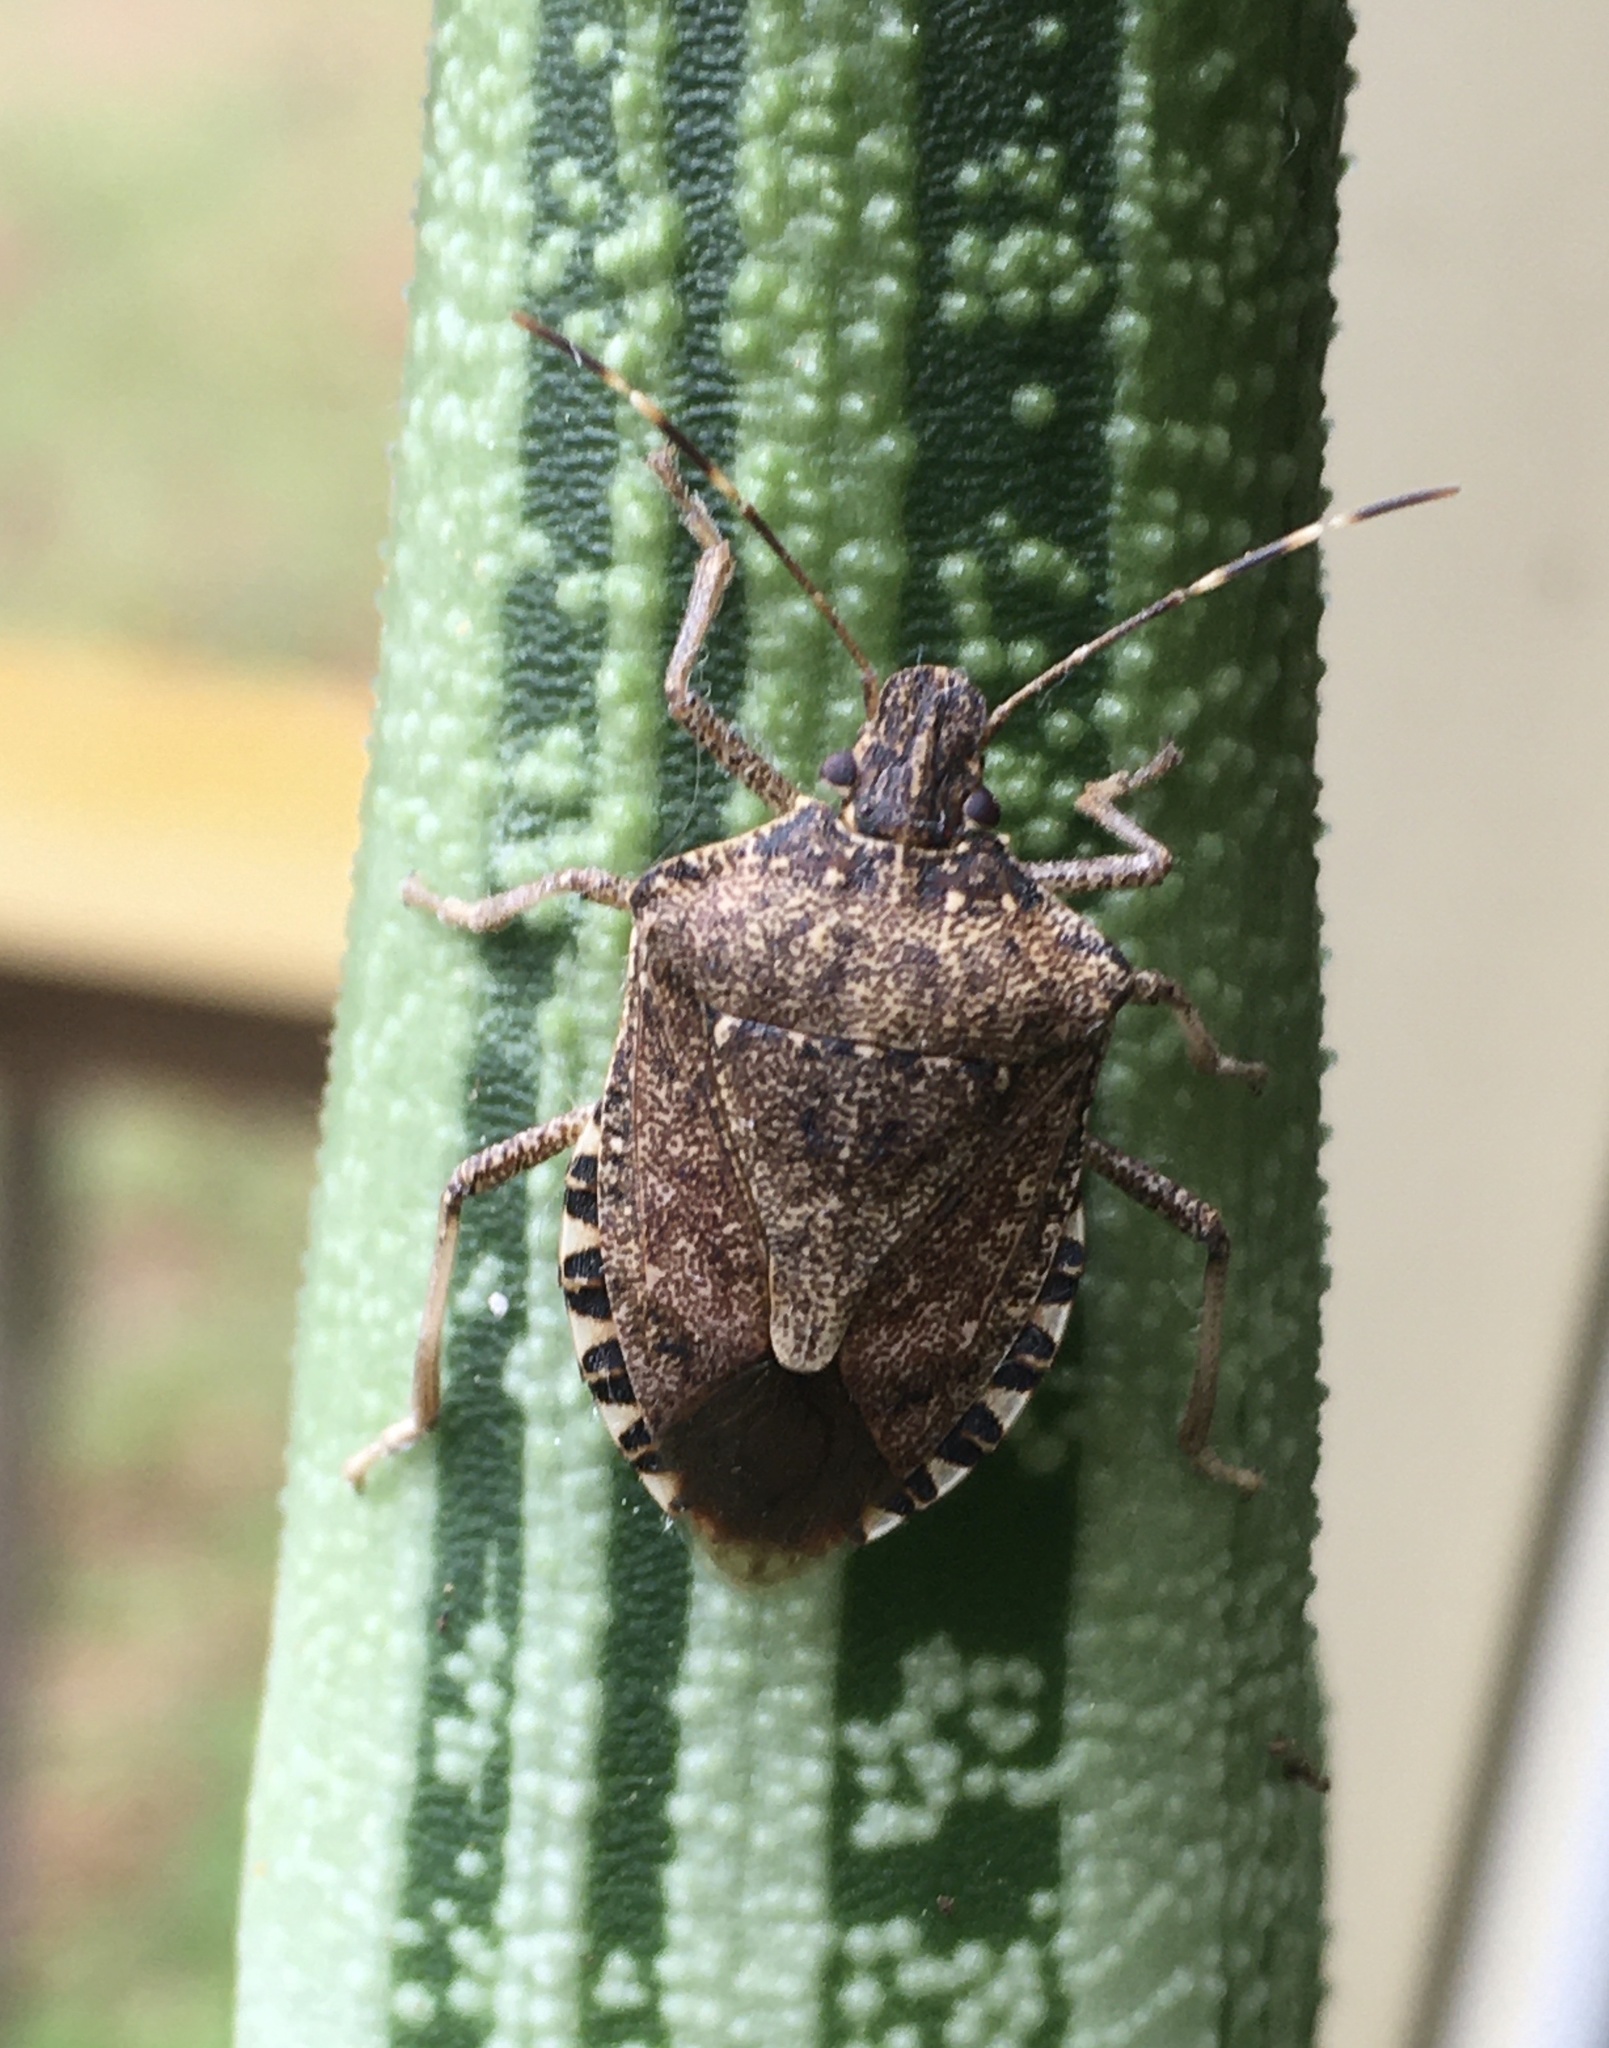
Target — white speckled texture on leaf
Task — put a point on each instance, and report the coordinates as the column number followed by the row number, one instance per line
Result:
column 1009, row 318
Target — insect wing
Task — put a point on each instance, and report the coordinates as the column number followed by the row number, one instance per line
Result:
column 681, row 1243
column 947, row 1308
column 846, row 1149
column 770, row 1467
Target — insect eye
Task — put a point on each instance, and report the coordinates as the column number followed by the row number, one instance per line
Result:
column 839, row 770
column 981, row 808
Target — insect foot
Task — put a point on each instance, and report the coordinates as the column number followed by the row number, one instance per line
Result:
column 823, row 1230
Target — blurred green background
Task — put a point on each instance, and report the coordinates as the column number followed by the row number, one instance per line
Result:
column 204, row 237
column 165, row 1443
column 204, row 240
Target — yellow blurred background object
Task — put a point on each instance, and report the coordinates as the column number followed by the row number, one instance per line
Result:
column 168, row 825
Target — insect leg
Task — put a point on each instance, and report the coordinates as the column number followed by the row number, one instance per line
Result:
column 477, row 1175
column 1199, row 1220
column 491, row 913
column 656, row 416
column 1200, row 1044
column 1150, row 861
column 690, row 711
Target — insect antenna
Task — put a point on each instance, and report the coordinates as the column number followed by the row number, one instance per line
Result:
column 657, row 417
column 1215, row 579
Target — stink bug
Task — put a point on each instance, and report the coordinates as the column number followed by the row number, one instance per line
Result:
column 822, row 1233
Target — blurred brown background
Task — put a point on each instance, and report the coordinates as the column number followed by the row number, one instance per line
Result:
column 204, row 239
column 203, row 243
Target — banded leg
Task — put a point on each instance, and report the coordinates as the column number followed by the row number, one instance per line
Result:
column 1199, row 1220
column 1150, row 861
column 692, row 712
column 477, row 1175
column 1202, row 1048
column 491, row 913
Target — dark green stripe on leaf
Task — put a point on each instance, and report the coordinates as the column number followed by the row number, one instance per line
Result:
column 634, row 1754
column 453, row 1869
column 953, row 1638
column 703, row 81
column 954, row 1630
column 555, row 613
column 634, row 1767
column 1011, row 376
column 553, row 641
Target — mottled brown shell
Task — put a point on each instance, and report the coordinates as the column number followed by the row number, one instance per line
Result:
column 822, row 1238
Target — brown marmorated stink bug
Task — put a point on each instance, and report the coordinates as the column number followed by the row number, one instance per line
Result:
column 823, row 1232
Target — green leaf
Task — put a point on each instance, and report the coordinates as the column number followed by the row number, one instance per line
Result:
column 1009, row 319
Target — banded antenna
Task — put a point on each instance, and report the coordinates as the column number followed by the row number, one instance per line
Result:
column 1215, row 579
column 657, row 417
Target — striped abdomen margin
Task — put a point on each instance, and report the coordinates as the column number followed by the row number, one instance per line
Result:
column 592, row 1324
column 607, row 1377
column 1029, row 1356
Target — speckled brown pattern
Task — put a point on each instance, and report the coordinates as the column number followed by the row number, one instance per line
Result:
column 841, row 1135
column 822, row 1233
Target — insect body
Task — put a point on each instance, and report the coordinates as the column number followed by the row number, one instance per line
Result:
column 822, row 1231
